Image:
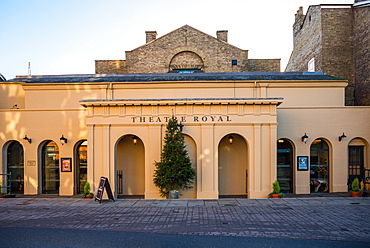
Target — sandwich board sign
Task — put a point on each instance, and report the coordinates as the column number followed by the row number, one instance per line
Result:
column 104, row 183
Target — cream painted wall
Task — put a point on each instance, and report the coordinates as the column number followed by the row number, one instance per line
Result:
column 327, row 123
column 12, row 96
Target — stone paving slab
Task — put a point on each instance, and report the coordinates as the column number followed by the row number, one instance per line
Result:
column 334, row 218
column 185, row 202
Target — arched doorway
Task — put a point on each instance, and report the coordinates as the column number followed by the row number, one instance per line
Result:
column 130, row 165
column 50, row 168
column 81, row 166
column 15, row 167
column 192, row 152
column 319, row 166
column 356, row 151
column 232, row 166
column 285, row 165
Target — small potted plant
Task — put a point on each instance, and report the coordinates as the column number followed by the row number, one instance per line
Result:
column 87, row 193
column 276, row 190
column 356, row 191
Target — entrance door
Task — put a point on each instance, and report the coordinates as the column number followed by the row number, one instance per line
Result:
column 15, row 166
column 355, row 164
column 81, row 166
column 285, row 165
column 130, row 165
column 319, row 166
column 50, row 168
column 232, row 166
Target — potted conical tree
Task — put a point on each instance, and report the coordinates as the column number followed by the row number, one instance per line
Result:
column 276, row 190
column 174, row 171
column 356, row 191
column 87, row 193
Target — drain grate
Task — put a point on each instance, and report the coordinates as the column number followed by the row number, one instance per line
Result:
column 281, row 207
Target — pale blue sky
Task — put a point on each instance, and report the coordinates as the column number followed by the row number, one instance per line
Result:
column 67, row 36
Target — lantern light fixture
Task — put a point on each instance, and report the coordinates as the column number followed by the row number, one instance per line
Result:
column 134, row 139
column 304, row 138
column 231, row 138
column 342, row 137
column 28, row 139
column 180, row 126
column 63, row 140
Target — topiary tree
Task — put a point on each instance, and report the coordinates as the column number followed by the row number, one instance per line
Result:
column 174, row 170
column 276, row 187
column 355, row 185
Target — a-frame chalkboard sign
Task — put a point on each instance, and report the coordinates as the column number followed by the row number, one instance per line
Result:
column 104, row 183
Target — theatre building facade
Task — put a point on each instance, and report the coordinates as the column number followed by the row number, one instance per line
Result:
column 245, row 124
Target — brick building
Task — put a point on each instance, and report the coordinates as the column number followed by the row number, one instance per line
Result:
column 189, row 49
column 335, row 39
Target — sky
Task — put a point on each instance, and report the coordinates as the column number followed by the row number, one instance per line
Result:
column 67, row 36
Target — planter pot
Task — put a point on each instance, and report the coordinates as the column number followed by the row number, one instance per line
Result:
column 356, row 194
column 89, row 196
column 2, row 196
column 275, row 196
column 173, row 194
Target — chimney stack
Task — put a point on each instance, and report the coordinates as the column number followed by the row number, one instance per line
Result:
column 222, row 35
column 150, row 36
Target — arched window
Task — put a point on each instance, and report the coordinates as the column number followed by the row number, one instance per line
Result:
column 319, row 166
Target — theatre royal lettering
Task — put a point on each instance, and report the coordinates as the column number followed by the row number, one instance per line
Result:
column 159, row 119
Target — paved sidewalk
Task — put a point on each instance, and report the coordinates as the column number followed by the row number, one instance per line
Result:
column 320, row 218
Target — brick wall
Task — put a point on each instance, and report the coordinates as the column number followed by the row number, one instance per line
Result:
column 110, row 66
column 362, row 54
column 264, row 65
column 337, row 42
column 213, row 54
column 306, row 41
column 326, row 35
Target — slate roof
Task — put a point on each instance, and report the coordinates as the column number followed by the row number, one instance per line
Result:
column 177, row 77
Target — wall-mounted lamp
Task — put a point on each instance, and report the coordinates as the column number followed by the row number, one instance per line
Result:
column 342, row 137
column 134, row 139
column 28, row 139
column 63, row 140
column 231, row 138
column 180, row 126
column 304, row 138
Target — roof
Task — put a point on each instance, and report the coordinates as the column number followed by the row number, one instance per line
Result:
column 175, row 77
column 2, row 78
column 176, row 30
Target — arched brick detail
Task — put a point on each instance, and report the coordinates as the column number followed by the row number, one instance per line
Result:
column 186, row 49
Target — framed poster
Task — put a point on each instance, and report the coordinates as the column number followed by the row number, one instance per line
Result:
column 302, row 163
column 66, row 164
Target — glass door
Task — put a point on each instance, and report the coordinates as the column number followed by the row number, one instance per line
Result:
column 285, row 165
column 15, row 167
column 50, row 168
column 355, row 164
column 81, row 167
column 319, row 166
